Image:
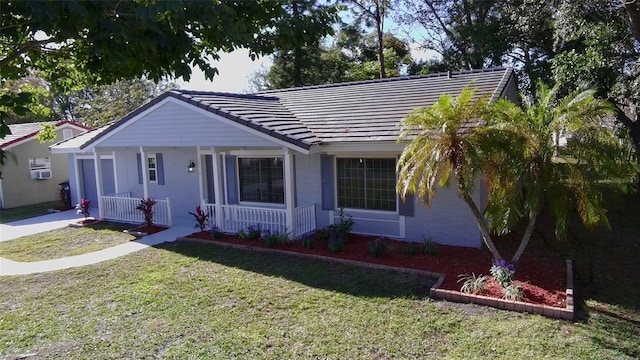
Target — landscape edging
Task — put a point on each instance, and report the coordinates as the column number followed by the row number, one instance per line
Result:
column 435, row 292
column 566, row 313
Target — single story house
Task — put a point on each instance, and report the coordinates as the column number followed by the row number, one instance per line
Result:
column 285, row 160
column 31, row 174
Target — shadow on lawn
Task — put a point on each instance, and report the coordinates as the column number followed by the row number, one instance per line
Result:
column 353, row 280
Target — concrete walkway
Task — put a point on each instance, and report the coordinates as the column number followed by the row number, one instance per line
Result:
column 54, row 221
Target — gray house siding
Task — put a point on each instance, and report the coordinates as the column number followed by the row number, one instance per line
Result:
column 174, row 124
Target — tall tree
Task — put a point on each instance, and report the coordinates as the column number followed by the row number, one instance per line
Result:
column 478, row 34
column 109, row 40
column 373, row 14
column 597, row 45
column 299, row 32
column 560, row 151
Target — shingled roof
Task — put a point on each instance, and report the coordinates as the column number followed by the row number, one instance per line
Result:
column 24, row 131
column 362, row 111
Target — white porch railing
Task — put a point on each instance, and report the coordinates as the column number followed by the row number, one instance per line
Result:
column 235, row 218
column 119, row 208
column 304, row 219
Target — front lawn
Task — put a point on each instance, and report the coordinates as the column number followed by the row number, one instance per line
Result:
column 200, row 301
column 65, row 242
column 25, row 212
column 183, row 300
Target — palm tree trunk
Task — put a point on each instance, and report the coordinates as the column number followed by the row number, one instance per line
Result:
column 482, row 225
column 525, row 239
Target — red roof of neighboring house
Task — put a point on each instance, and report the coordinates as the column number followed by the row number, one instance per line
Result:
column 24, row 131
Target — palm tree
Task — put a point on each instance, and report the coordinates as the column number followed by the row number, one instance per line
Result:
column 445, row 142
column 564, row 153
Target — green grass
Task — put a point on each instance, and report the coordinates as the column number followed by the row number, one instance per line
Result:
column 25, row 212
column 65, row 242
column 201, row 301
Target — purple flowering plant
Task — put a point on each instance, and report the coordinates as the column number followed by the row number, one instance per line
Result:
column 503, row 271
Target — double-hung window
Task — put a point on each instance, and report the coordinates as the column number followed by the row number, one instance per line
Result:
column 261, row 180
column 152, row 168
column 366, row 183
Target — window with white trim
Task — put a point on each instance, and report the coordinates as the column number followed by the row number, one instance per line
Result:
column 40, row 168
column 261, row 180
column 152, row 168
column 67, row 134
column 366, row 183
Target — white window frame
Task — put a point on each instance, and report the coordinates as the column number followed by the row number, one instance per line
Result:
column 150, row 169
column 67, row 134
column 257, row 203
column 364, row 157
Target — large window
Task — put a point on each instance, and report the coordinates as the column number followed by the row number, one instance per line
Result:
column 261, row 180
column 367, row 183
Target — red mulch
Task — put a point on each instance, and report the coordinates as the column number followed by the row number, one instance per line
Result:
column 542, row 277
column 87, row 221
column 150, row 229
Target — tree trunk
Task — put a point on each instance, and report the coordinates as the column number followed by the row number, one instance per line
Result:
column 482, row 225
column 525, row 239
column 634, row 17
column 380, row 31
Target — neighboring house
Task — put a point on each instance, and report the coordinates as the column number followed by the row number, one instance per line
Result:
column 285, row 160
column 31, row 174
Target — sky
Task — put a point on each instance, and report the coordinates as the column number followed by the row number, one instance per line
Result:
column 235, row 70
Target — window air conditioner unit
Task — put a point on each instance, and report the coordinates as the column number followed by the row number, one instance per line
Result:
column 41, row 174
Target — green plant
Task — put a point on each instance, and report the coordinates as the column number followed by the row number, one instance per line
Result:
column 321, row 235
column 242, row 235
column 146, row 206
column 472, row 284
column 430, row 247
column 377, row 246
column 344, row 225
column 254, row 232
column 503, row 271
column 216, row 233
column 512, row 292
column 274, row 238
column 412, row 248
column 336, row 242
column 309, row 242
column 84, row 208
column 202, row 218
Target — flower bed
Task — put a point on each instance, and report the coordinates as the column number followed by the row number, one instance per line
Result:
column 84, row 222
column 145, row 230
column 541, row 278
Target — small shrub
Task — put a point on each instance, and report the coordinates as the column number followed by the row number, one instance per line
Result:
column 146, row 206
column 377, row 247
column 309, row 242
column 275, row 238
column 503, row 271
column 343, row 226
column 322, row 235
column 242, row 235
column 512, row 292
column 254, row 232
column 336, row 242
column 472, row 284
column 84, row 208
column 412, row 249
column 202, row 218
column 430, row 247
column 216, row 234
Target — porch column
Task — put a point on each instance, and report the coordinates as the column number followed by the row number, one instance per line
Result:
column 218, row 182
column 76, row 163
column 145, row 175
column 99, row 186
column 289, row 190
column 200, row 174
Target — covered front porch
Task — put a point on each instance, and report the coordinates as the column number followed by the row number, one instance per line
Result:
column 237, row 187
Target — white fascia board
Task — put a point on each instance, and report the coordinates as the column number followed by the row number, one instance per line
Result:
column 362, row 148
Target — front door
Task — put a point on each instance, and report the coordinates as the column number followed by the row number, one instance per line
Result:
column 89, row 186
